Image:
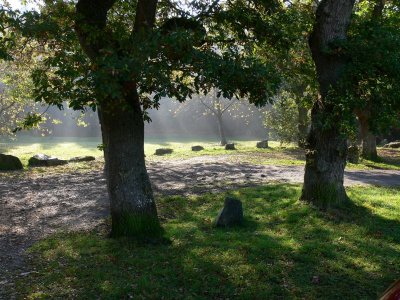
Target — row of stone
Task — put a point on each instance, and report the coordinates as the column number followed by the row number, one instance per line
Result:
column 164, row 151
column 12, row 163
column 395, row 145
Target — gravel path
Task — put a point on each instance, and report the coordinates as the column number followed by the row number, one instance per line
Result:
column 34, row 205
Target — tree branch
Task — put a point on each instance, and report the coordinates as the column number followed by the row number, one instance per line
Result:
column 90, row 22
column 229, row 105
column 209, row 107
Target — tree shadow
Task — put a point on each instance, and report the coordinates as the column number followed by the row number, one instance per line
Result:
column 286, row 249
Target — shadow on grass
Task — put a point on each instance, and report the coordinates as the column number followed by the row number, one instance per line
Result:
column 285, row 250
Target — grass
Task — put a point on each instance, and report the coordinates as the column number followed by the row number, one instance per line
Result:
column 285, row 250
column 246, row 151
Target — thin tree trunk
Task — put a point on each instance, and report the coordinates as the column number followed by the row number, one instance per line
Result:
column 133, row 209
column 302, row 125
column 326, row 146
column 368, row 139
column 221, row 130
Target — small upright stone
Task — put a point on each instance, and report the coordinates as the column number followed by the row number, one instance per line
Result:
column 43, row 160
column 230, row 147
column 197, row 148
column 10, row 163
column 163, row 151
column 263, row 144
column 231, row 214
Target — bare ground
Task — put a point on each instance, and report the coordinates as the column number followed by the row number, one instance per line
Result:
column 34, row 205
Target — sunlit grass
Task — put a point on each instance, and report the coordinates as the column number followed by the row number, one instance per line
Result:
column 288, row 155
column 285, row 250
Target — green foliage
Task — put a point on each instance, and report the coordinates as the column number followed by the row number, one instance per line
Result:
column 283, row 118
column 162, row 63
column 15, row 99
column 371, row 78
column 374, row 72
column 285, row 250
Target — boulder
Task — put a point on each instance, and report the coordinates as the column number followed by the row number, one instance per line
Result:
column 10, row 163
column 394, row 145
column 353, row 154
column 197, row 148
column 383, row 142
column 43, row 160
column 263, row 144
column 230, row 147
column 82, row 158
column 231, row 214
column 163, row 151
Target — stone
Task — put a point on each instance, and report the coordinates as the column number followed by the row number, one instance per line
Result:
column 197, row 148
column 43, row 160
column 263, row 144
column 231, row 214
column 353, row 154
column 82, row 158
column 383, row 142
column 230, row 147
column 10, row 163
column 394, row 145
column 163, row 151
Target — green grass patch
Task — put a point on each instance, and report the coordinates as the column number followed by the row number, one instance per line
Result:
column 285, row 250
column 246, row 152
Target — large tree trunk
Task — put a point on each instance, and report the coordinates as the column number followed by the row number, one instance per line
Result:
column 133, row 209
column 368, row 139
column 326, row 146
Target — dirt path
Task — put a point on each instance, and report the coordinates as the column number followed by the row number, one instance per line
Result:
column 34, row 205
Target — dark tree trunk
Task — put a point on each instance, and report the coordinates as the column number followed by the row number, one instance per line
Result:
column 133, row 209
column 326, row 146
column 368, row 139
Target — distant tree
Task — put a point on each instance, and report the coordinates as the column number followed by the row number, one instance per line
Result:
column 279, row 32
column 287, row 120
column 220, row 108
column 121, row 58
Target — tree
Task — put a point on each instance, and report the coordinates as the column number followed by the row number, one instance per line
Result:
column 287, row 119
column 16, row 96
column 220, row 108
column 121, row 59
column 374, row 41
column 326, row 147
column 217, row 108
column 279, row 33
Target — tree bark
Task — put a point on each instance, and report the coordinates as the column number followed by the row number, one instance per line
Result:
column 326, row 146
column 219, row 113
column 132, row 205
